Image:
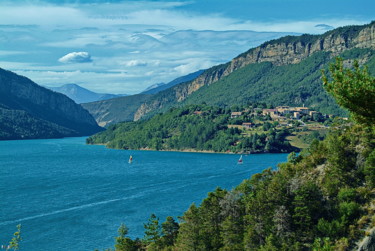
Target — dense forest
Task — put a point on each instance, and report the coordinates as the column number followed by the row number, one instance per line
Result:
column 321, row 199
column 200, row 128
column 18, row 124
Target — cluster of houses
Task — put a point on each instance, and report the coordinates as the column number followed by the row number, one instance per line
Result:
column 278, row 113
column 295, row 112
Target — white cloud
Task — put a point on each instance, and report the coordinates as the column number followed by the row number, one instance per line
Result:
column 132, row 63
column 76, row 57
column 135, row 43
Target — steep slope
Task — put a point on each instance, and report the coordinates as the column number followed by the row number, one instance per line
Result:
column 30, row 111
column 115, row 110
column 123, row 109
column 292, row 84
column 161, row 87
column 82, row 95
column 277, row 53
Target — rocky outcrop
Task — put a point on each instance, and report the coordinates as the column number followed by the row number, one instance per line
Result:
column 368, row 243
column 116, row 110
column 21, row 94
column 283, row 51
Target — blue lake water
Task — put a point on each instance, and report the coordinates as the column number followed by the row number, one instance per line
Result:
column 72, row 196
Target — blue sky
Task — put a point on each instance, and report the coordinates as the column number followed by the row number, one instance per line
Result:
column 126, row 46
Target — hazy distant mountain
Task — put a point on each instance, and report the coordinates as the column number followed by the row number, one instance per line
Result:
column 115, row 110
column 120, row 109
column 163, row 86
column 82, row 95
column 153, row 88
column 29, row 111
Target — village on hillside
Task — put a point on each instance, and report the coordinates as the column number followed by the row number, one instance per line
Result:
column 284, row 115
column 303, row 123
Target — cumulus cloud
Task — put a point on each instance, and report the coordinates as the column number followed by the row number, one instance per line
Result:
column 76, row 57
column 132, row 63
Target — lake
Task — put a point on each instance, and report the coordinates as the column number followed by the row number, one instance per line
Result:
column 71, row 196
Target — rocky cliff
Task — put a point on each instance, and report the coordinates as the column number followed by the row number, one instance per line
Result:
column 283, row 51
column 18, row 93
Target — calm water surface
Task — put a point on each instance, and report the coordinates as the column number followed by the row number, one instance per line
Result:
column 72, row 196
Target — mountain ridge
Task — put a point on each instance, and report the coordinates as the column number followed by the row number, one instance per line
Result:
column 163, row 86
column 286, row 50
column 43, row 110
column 82, row 95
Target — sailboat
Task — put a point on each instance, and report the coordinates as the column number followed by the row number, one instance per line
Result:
column 240, row 161
column 130, row 159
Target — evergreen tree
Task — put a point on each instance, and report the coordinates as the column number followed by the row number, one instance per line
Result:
column 124, row 243
column 152, row 230
column 170, row 230
column 353, row 90
column 189, row 237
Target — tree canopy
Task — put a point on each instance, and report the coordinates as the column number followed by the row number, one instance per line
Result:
column 353, row 89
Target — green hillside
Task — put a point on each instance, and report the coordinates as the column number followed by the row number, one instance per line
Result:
column 18, row 124
column 293, row 85
column 322, row 199
column 284, row 71
column 29, row 111
column 115, row 110
column 198, row 128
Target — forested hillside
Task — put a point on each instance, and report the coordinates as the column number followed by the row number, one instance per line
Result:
column 284, row 71
column 200, row 128
column 293, row 84
column 322, row 199
column 289, row 66
column 29, row 111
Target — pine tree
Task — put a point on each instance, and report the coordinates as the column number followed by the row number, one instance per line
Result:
column 189, row 237
column 170, row 230
column 152, row 230
column 124, row 243
column 353, row 90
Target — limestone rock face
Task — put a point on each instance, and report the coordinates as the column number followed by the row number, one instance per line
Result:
column 283, row 51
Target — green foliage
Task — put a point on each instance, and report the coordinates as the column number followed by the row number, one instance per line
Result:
column 322, row 245
column 189, row 237
column 152, row 230
column 124, row 243
column 29, row 111
column 15, row 242
column 197, row 127
column 169, row 230
column 369, row 169
column 353, row 89
column 312, row 202
column 17, row 124
column 294, row 85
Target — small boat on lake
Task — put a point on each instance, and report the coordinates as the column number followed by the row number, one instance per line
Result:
column 240, row 161
column 130, row 159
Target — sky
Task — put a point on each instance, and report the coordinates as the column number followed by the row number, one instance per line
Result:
column 122, row 47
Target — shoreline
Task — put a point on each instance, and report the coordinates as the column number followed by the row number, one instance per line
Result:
column 185, row 150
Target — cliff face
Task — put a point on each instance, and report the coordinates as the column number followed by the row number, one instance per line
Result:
column 283, row 51
column 20, row 93
column 116, row 110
